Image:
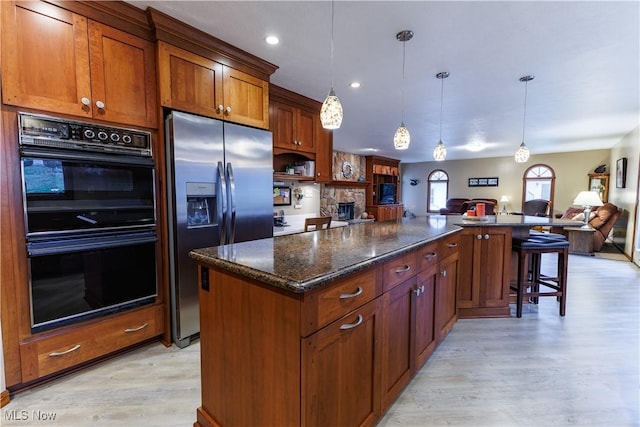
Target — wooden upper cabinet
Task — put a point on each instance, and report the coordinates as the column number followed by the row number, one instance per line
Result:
column 189, row 82
column 324, row 154
column 246, row 98
column 199, row 85
column 45, row 58
column 293, row 128
column 123, row 76
column 58, row 61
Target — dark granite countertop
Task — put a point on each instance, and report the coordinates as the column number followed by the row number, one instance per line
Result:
column 304, row 261
column 510, row 221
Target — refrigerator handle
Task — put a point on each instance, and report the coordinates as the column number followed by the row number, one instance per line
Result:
column 222, row 197
column 232, row 203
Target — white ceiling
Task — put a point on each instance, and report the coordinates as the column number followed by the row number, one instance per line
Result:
column 585, row 56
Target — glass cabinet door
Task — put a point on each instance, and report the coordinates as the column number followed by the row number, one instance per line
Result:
column 599, row 182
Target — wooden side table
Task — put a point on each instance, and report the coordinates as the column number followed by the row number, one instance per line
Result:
column 580, row 240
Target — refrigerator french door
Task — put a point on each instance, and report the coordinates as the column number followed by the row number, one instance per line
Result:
column 220, row 193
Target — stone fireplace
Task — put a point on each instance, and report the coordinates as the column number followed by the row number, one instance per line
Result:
column 343, row 200
column 346, row 211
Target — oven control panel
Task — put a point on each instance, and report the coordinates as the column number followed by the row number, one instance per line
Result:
column 51, row 132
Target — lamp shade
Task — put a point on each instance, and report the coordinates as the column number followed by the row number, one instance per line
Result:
column 587, row 198
column 504, row 199
column 402, row 138
column 331, row 112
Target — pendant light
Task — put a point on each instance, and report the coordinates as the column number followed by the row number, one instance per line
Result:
column 440, row 152
column 401, row 139
column 522, row 153
column 331, row 111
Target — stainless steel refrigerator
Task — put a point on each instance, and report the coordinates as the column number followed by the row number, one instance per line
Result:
column 222, row 177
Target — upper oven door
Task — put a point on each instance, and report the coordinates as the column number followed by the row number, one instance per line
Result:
column 66, row 191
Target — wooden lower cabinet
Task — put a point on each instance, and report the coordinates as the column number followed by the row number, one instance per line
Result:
column 386, row 212
column 484, row 272
column 50, row 353
column 340, row 373
column 399, row 319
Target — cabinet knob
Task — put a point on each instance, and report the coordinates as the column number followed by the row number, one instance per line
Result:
column 228, row 110
column 444, row 273
column 486, row 237
column 220, row 108
column 479, row 237
column 85, row 101
column 100, row 104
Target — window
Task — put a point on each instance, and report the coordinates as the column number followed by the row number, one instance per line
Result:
column 538, row 183
column 437, row 190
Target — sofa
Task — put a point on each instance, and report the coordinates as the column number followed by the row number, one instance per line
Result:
column 602, row 220
column 458, row 206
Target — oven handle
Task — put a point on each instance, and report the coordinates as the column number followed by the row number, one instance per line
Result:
column 84, row 156
column 54, row 247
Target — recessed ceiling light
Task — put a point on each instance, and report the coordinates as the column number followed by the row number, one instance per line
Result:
column 272, row 39
column 355, row 84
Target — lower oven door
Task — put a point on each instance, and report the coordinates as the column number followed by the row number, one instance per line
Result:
column 81, row 278
column 67, row 191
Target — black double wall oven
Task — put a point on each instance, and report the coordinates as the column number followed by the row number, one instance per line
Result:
column 89, row 205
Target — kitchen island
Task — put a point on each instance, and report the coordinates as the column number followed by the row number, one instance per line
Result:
column 328, row 327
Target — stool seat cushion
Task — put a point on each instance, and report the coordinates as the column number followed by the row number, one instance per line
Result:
column 540, row 243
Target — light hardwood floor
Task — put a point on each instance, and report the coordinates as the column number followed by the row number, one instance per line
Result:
column 540, row 370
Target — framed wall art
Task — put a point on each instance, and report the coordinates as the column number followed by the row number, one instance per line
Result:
column 621, row 173
column 483, row 182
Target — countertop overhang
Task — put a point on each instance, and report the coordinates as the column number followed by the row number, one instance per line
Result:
column 304, row 261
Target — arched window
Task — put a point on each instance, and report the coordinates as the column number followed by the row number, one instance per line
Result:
column 538, row 182
column 437, row 190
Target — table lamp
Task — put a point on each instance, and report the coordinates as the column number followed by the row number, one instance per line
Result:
column 504, row 200
column 587, row 199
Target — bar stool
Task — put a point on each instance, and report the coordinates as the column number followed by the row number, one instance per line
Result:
column 529, row 253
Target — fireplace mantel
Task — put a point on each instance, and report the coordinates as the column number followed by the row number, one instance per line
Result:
column 354, row 184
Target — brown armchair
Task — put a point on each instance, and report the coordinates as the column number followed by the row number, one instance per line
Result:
column 602, row 220
column 536, row 207
column 458, row 206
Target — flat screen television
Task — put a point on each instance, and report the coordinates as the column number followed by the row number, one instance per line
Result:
column 386, row 194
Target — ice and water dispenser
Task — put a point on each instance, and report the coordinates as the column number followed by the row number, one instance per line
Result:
column 201, row 204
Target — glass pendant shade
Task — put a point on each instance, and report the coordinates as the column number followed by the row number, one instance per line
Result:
column 331, row 112
column 402, row 138
column 440, row 152
column 522, row 154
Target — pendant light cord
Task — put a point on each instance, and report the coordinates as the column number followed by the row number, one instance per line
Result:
column 441, row 100
column 403, row 57
column 331, row 44
column 524, row 116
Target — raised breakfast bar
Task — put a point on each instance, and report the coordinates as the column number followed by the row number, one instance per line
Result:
column 328, row 327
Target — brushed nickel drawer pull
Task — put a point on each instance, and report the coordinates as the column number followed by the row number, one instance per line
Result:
column 452, row 245
column 355, row 294
column 62, row 353
column 431, row 255
column 352, row 325
column 403, row 270
column 144, row 325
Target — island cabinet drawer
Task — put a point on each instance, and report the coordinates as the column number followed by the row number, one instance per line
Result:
column 449, row 246
column 330, row 303
column 399, row 269
column 64, row 349
column 428, row 256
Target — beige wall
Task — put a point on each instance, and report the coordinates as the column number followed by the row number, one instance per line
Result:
column 626, row 198
column 571, row 171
